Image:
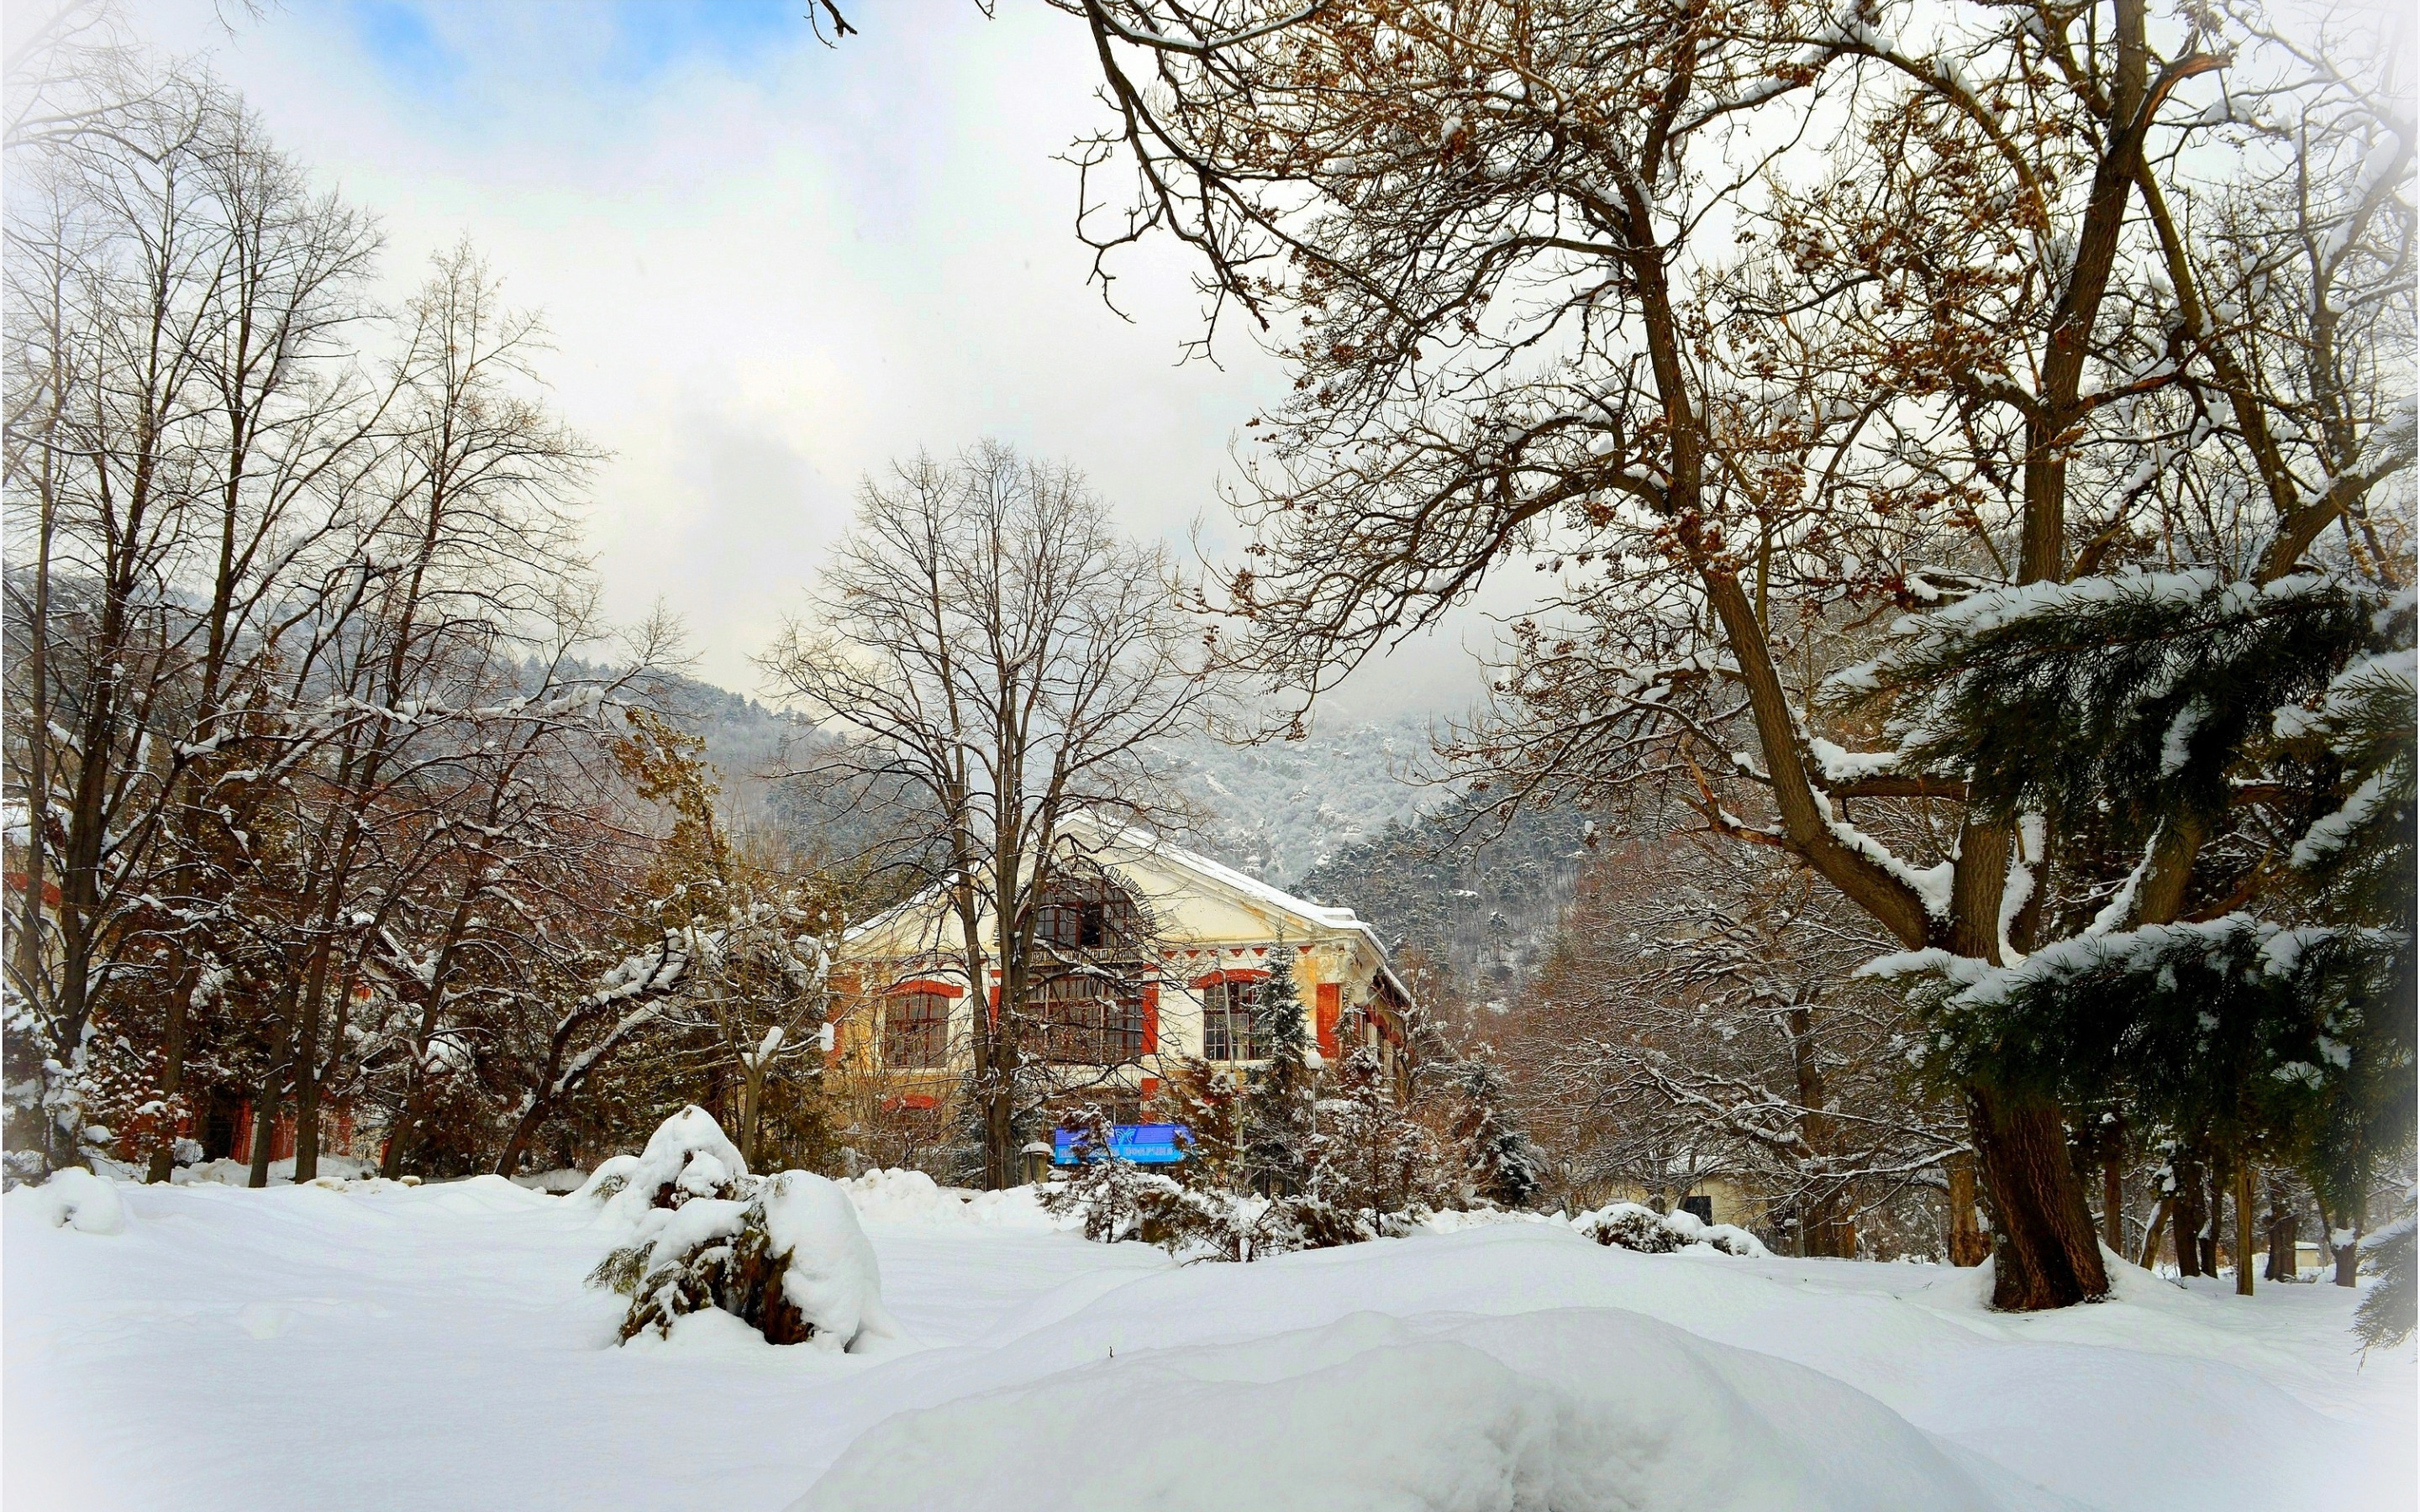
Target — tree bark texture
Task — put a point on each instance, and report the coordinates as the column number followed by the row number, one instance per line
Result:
column 1968, row 1244
column 2245, row 1243
column 2045, row 1252
column 2152, row 1236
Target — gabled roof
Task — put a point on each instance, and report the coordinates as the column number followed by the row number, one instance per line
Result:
column 1107, row 838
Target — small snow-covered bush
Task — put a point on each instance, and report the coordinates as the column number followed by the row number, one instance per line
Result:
column 782, row 1252
column 75, row 1199
column 688, row 1156
column 1632, row 1227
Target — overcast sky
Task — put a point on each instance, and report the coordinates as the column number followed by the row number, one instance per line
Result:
column 770, row 266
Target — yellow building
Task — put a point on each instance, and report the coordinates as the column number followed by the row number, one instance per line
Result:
column 1144, row 952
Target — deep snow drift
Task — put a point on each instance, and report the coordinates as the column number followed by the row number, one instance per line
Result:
column 373, row 1346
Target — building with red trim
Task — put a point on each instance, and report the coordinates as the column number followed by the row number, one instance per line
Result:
column 1145, row 952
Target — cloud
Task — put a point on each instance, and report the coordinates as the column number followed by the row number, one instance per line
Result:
column 769, row 266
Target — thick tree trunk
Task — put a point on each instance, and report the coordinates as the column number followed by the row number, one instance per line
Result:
column 2347, row 1255
column 398, row 1145
column 2284, row 1228
column 2045, row 1253
column 1968, row 1245
column 2151, row 1235
column 2244, row 1244
column 752, row 1107
column 2190, row 1216
column 517, row 1144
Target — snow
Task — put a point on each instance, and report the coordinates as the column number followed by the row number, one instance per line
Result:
column 281, row 1172
column 908, row 1197
column 1372, row 1410
column 833, row 1278
column 373, row 1346
column 75, row 1199
column 687, row 1151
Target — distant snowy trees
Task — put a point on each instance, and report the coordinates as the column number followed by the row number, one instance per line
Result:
column 1700, row 1019
column 316, row 796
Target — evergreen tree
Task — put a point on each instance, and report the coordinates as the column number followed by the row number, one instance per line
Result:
column 1374, row 1165
column 1279, row 1105
column 1116, row 1198
column 1502, row 1163
column 1209, row 1104
column 2166, row 736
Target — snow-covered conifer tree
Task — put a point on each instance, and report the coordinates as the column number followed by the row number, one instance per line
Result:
column 1278, row 1107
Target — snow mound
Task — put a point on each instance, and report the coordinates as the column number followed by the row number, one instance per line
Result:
column 899, row 1195
column 226, row 1172
column 559, row 1182
column 1576, row 1409
column 1455, row 1220
column 75, row 1199
column 688, row 1156
column 1634, row 1227
column 832, row 1276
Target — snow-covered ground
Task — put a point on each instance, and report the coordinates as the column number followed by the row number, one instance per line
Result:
column 372, row 1346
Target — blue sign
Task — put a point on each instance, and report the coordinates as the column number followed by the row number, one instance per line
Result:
column 1143, row 1144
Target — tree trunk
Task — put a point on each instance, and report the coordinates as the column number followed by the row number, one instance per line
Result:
column 2112, row 1205
column 2243, row 1236
column 2284, row 1228
column 2151, row 1235
column 2346, row 1226
column 2190, row 1216
column 1968, row 1245
column 307, row 1070
column 264, row 1126
column 752, row 1102
column 517, row 1144
column 2045, row 1253
column 399, row 1144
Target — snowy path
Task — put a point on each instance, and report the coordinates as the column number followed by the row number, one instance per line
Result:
column 434, row 1348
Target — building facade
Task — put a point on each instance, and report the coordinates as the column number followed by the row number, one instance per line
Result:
column 1144, row 953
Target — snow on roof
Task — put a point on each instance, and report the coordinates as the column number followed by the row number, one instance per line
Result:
column 1109, row 834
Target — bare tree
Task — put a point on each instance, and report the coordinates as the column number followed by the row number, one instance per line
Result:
column 1553, row 292
column 1700, row 1015
column 186, row 429
column 995, row 647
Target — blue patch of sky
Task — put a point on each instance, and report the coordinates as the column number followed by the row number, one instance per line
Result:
column 622, row 43
column 398, row 39
column 650, row 35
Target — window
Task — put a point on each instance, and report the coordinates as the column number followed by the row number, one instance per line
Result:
column 916, row 1029
column 1082, row 1023
column 1231, row 1027
column 1084, row 913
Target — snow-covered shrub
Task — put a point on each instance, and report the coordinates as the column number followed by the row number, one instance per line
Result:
column 687, row 1157
column 1115, row 1198
column 606, row 1181
column 75, row 1199
column 782, row 1252
column 1632, row 1227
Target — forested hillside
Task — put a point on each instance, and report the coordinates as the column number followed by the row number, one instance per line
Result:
column 1460, row 886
